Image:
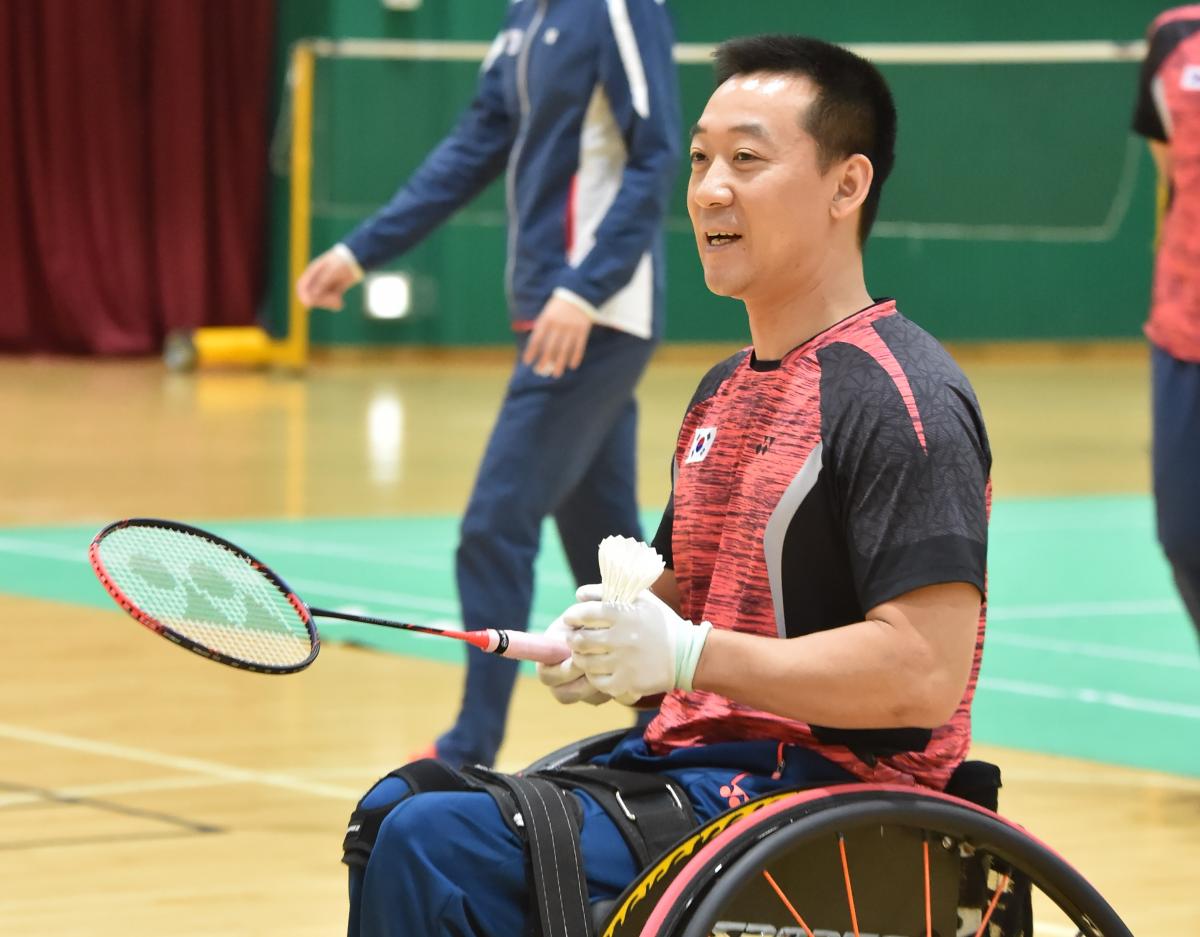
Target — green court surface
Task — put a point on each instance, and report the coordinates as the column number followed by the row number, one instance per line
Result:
column 1089, row 652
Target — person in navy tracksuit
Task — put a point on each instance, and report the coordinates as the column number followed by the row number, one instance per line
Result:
column 577, row 103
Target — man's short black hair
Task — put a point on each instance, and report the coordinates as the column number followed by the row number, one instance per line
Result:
column 853, row 113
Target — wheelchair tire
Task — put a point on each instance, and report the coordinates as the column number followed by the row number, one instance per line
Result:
column 801, row 832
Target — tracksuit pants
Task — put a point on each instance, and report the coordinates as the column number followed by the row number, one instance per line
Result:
column 564, row 448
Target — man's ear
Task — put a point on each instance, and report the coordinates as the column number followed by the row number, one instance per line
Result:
column 853, row 183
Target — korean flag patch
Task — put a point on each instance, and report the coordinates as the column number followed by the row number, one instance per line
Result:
column 1190, row 79
column 702, row 441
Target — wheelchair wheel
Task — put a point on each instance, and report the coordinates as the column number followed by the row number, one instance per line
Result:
column 865, row 860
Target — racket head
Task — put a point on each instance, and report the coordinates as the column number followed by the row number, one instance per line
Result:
column 205, row 594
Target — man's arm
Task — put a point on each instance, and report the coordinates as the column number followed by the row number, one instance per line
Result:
column 906, row 665
column 457, row 169
column 471, row 155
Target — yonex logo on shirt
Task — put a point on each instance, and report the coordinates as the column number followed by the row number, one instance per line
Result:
column 702, row 441
column 1190, row 79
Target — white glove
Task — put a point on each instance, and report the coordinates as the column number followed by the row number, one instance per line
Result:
column 631, row 651
column 565, row 680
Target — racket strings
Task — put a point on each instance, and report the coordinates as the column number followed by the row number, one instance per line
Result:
column 206, row 593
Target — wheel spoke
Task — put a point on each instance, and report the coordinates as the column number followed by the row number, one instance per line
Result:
column 849, row 887
column 992, row 905
column 928, row 904
column 784, row 898
column 986, row 868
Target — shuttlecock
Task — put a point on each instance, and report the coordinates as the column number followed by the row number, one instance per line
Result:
column 627, row 566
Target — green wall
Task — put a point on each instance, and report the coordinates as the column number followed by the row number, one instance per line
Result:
column 1020, row 206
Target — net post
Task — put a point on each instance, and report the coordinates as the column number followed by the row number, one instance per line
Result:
column 294, row 351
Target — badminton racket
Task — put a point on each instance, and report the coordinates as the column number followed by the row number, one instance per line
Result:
column 213, row 598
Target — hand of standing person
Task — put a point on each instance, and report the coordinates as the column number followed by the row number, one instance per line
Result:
column 559, row 337
column 326, row 279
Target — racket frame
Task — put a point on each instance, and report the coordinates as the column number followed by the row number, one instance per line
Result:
column 159, row 628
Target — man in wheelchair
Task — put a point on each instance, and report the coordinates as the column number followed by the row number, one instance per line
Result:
column 821, row 616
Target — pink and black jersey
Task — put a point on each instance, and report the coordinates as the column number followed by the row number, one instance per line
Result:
column 1168, row 110
column 807, row 491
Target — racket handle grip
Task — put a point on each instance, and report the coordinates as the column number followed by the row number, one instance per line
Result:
column 522, row 646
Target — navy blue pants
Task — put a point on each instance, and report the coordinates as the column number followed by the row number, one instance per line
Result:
column 564, row 448
column 446, row 863
column 1176, row 458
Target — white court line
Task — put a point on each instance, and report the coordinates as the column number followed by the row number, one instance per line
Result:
column 389, row 557
column 1091, row 697
column 358, row 594
column 402, row 601
column 382, row 556
column 1100, row 774
column 37, row 548
column 211, row 769
column 51, row 551
column 1104, row 520
column 1167, row 606
column 91, row 791
column 173, row 783
column 1113, row 609
column 398, row 599
column 383, row 597
column 1181, row 660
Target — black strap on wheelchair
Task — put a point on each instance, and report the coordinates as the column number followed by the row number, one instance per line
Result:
column 651, row 810
column 548, row 817
column 427, row 775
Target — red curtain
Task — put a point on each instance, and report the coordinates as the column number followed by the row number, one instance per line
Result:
column 133, row 170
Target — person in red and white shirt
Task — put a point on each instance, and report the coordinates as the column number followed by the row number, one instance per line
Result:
column 826, row 537
column 821, row 617
column 1167, row 114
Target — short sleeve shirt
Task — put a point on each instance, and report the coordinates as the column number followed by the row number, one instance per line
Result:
column 808, row 491
column 1168, row 110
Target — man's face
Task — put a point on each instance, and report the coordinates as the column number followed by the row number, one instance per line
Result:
column 758, row 200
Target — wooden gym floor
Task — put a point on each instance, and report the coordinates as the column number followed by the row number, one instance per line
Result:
column 145, row 791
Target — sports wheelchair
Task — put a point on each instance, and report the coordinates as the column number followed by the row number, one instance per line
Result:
column 854, row 860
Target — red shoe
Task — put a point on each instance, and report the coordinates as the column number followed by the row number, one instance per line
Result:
column 429, row 751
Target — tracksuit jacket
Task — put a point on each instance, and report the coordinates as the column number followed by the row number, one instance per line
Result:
column 578, row 104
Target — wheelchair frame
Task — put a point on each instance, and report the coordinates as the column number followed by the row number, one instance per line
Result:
column 688, row 892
